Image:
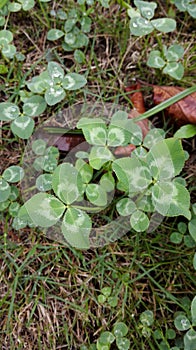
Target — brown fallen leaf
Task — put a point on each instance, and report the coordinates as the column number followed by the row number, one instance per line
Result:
column 64, row 141
column 68, row 142
column 183, row 111
column 137, row 100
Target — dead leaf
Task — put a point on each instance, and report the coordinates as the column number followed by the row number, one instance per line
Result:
column 136, row 97
column 64, row 142
column 137, row 100
column 68, row 142
column 183, row 111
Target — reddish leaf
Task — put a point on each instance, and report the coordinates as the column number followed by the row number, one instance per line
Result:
column 136, row 97
column 67, row 142
column 64, row 142
column 183, row 111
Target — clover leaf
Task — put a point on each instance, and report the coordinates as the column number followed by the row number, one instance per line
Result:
column 76, row 228
column 12, row 174
column 44, row 210
column 186, row 5
column 168, row 61
column 26, row 5
column 22, row 124
column 67, row 183
column 141, row 22
column 53, row 83
column 7, row 49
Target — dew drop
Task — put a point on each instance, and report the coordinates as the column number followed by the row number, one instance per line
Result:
column 135, row 25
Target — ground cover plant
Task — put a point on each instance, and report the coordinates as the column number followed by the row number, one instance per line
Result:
column 65, row 282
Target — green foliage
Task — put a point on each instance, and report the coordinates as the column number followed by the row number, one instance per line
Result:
column 168, row 61
column 53, row 83
column 75, row 26
column 147, row 184
column 104, row 3
column 106, row 298
column 186, row 232
column 186, row 323
column 146, row 322
column 46, row 159
column 25, row 5
column 8, row 50
column 186, row 131
column 141, row 22
column 117, row 335
column 22, row 123
column 185, row 5
column 9, row 193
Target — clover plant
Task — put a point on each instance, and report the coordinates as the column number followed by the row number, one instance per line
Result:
column 104, row 3
column 164, row 338
column 183, row 229
column 3, row 12
column 168, row 61
column 146, row 322
column 25, row 5
column 8, row 50
column 11, row 204
column 53, row 83
column 141, row 22
column 186, row 5
column 15, row 6
column 8, row 192
column 118, row 335
column 73, row 30
column 146, row 182
column 46, row 160
column 22, row 123
column 187, row 323
column 106, row 298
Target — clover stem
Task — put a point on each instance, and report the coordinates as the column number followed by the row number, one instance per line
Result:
column 158, row 41
column 89, row 209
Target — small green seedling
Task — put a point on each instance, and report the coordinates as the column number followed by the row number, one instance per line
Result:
column 165, row 338
column 146, row 323
column 46, row 160
column 11, row 204
column 189, row 239
column 118, row 335
column 75, row 28
column 106, row 299
column 168, row 60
